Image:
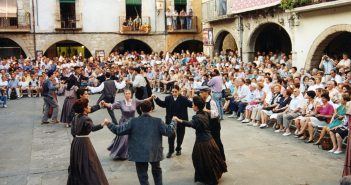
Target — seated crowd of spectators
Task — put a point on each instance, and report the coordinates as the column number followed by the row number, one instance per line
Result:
column 267, row 90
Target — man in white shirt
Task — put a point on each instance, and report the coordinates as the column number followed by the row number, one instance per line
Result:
column 212, row 110
column 334, row 94
column 139, row 83
column 108, row 88
column 345, row 62
column 293, row 111
column 334, row 76
column 243, row 91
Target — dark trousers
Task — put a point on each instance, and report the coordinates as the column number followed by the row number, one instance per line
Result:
column 142, row 167
column 109, row 111
column 139, row 94
column 241, row 107
column 180, row 138
column 217, row 138
column 237, row 106
column 234, row 105
column 50, row 102
column 112, row 115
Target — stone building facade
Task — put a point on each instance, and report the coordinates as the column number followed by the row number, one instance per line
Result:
column 98, row 25
column 307, row 32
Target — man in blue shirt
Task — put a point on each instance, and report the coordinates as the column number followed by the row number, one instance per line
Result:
column 50, row 100
column 13, row 85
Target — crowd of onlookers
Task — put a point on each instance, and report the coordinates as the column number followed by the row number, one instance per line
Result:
column 267, row 90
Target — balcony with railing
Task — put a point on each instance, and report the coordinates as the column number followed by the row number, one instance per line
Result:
column 181, row 24
column 15, row 24
column 68, row 22
column 213, row 10
column 134, row 25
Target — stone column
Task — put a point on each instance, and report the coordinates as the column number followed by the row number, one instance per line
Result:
column 148, row 9
column 209, row 50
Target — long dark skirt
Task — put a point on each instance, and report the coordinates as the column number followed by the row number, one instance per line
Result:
column 119, row 148
column 208, row 162
column 66, row 113
column 85, row 167
column 347, row 165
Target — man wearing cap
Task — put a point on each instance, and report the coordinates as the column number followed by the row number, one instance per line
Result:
column 176, row 105
column 75, row 78
column 49, row 88
column 108, row 88
column 212, row 110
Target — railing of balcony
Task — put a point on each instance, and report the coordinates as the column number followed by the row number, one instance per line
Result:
column 134, row 25
column 216, row 9
column 181, row 24
column 68, row 22
column 9, row 24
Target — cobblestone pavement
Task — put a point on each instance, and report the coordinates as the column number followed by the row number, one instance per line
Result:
column 35, row 154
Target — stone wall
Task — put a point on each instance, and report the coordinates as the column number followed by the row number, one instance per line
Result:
column 310, row 32
column 25, row 41
column 229, row 42
column 92, row 42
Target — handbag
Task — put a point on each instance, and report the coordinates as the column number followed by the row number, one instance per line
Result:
column 267, row 108
column 321, row 118
column 326, row 144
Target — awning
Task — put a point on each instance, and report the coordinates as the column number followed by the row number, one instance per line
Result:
column 8, row 8
column 240, row 6
column 180, row 2
column 133, row 2
column 67, row 1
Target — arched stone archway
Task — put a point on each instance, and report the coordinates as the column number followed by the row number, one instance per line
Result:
column 269, row 37
column 322, row 44
column 189, row 44
column 132, row 45
column 12, row 47
column 224, row 41
column 67, row 48
column 180, row 41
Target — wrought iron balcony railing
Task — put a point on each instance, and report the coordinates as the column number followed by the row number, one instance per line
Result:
column 68, row 22
column 134, row 25
column 15, row 24
column 179, row 24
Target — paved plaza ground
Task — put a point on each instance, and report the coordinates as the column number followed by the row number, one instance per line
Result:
column 35, row 154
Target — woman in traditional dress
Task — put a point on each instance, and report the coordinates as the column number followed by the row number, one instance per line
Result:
column 347, row 164
column 119, row 147
column 85, row 167
column 71, row 97
column 208, row 163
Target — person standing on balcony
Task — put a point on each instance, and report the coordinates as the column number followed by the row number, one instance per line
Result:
column 189, row 19
column 130, row 22
column 175, row 17
column 182, row 16
column 169, row 19
column 137, row 23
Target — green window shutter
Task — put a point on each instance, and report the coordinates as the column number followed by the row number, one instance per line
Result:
column 67, row 1
column 133, row 2
column 180, row 2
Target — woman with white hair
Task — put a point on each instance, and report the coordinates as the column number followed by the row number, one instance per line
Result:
column 257, row 102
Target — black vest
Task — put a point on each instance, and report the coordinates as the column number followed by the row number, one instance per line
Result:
column 109, row 90
column 215, row 124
